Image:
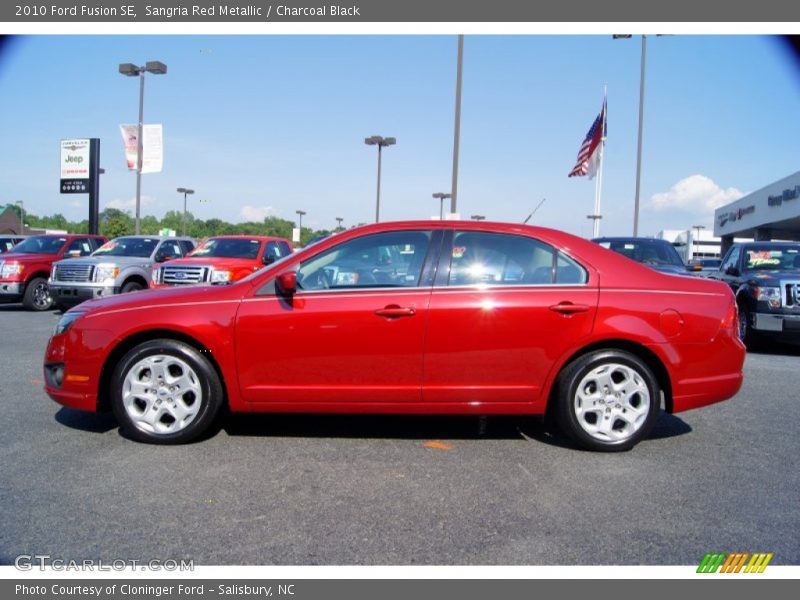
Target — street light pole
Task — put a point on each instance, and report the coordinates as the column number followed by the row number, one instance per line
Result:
column 457, row 127
column 21, row 217
column 185, row 192
column 130, row 70
column 441, row 196
column 639, row 144
column 339, row 223
column 300, row 214
column 380, row 142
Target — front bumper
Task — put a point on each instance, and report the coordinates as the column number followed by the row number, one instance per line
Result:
column 11, row 291
column 777, row 324
column 75, row 294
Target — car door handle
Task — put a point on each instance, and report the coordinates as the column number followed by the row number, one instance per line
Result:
column 393, row 311
column 568, row 308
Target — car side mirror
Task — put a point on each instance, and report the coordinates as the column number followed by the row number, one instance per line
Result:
column 161, row 257
column 268, row 259
column 732, row 271
column 286, row 283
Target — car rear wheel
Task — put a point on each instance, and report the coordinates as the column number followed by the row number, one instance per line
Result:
column 607, row 400
column 37, row 295
column 165, row 392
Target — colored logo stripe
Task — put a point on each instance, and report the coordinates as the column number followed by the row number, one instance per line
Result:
column 734, row 562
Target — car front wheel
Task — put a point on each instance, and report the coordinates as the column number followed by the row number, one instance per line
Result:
column 607, row 400
column 37, row 295
column 165, row 392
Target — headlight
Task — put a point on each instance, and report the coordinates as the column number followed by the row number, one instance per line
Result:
column 66, row 321
column 12, row 268
column 105, row 272
column 220, row 276
column 770, row 295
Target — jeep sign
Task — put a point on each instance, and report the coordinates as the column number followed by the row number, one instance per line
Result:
column 75, row 163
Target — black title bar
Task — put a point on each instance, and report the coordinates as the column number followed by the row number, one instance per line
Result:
column 357, row 11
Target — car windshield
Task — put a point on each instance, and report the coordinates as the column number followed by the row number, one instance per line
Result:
column 132, row 246
column 649, row 252
column 786, row 258
column 228, row 248
column 41, row 244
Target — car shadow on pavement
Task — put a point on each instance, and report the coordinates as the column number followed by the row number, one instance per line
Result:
column 775, row 349
column 412, row 427
column 86, row 421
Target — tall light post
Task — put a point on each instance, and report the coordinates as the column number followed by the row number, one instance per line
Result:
column 21, row 217
column 457, row 127
column 441, row 196
column 185, row 192
column 696, row 245
column 130, row 70
column 339, row 223
column 300, row 214
column 380, row 142
column 641, row 123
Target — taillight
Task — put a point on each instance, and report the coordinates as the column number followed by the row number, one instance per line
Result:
column 730, row 322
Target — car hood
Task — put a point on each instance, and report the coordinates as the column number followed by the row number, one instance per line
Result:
column 163, row 296
column 770, row 278
column 13, row 256
column 115, row 260
column 217, row 261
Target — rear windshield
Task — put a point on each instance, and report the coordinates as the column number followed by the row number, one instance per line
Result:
column 138, row 247
column 228, row 248
column 649, row 252
column 765, row 258
column 41, row 244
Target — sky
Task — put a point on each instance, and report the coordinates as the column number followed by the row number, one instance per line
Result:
column 264, row 125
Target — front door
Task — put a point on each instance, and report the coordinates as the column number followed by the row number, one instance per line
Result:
column 353, row 331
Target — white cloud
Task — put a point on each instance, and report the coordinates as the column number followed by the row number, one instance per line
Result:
column 128, row 204
column 256, row 213
column 696, row 193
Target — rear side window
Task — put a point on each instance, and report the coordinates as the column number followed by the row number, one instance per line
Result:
column 481, row 258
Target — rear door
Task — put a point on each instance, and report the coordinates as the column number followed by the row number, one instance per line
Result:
column 503, row 310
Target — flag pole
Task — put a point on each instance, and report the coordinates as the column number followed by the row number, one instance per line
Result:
column 598, row 188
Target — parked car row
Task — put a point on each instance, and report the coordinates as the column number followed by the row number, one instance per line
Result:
column 424, row 317
column 65, row 270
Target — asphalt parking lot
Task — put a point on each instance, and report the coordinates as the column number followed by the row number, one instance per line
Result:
column 395, row 490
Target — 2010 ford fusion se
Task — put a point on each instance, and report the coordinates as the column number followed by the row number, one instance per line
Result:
column 425, row 317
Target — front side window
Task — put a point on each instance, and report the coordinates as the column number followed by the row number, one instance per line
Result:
column 393, row 259
column 500, row 259
column 170, row 249
column 79, row 247
column 731, row 260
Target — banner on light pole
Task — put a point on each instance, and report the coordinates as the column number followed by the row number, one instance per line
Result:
column 152, row 147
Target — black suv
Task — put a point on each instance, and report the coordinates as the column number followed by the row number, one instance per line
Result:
column 765, row 276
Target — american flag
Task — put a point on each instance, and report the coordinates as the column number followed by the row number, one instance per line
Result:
column 589, row 154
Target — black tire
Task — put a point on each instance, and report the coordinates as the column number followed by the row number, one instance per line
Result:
column 748, row 336
column 607, row 411
column 131, row 286
column 37, row 295
column 204, row 396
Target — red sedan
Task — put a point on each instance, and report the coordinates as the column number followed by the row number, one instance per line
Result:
column 413, row 317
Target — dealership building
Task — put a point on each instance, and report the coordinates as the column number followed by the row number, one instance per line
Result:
column 771, row 213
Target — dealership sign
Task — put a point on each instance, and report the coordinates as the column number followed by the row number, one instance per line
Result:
column 786, row 196
column 734, row 215
column 75, row 163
